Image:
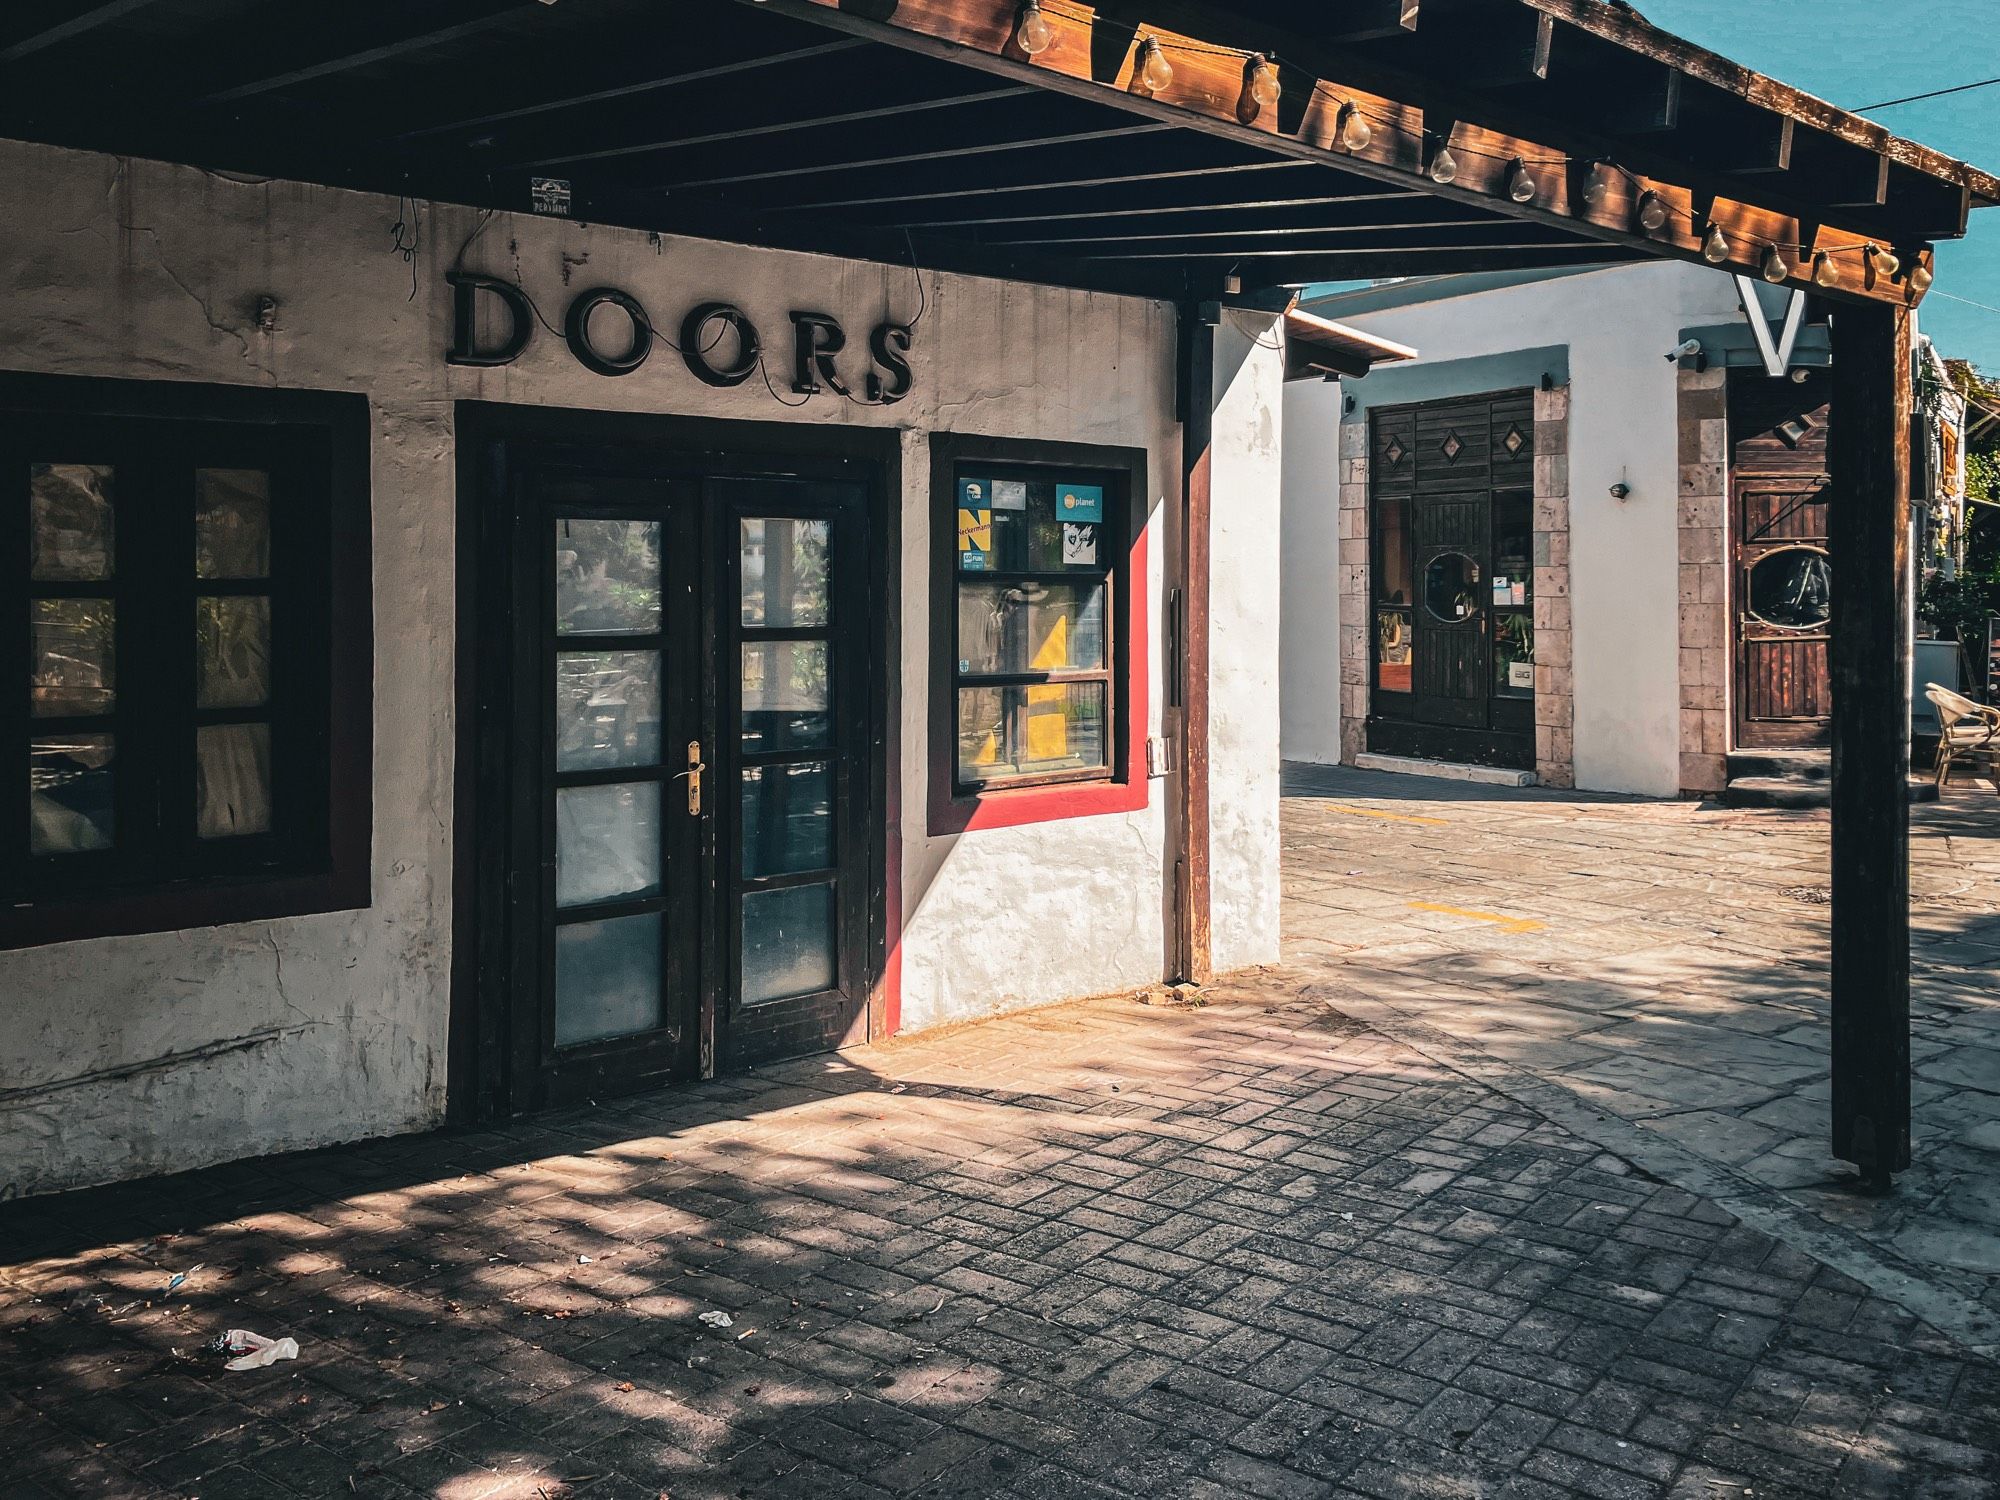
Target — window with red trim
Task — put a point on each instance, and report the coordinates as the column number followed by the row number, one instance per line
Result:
column 1035, row 633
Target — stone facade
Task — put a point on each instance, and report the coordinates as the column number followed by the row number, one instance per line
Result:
column 1554, row 690
column 1702, row 402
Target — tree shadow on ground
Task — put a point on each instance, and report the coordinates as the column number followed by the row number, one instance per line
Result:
column 1248, row 1249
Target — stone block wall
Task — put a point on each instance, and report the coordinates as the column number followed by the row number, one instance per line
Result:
column 1702, row 410
column 1555, row 688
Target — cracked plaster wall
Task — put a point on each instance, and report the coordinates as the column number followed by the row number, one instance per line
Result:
column 128, row 1056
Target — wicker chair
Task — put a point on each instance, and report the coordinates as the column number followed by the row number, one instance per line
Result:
column 1964, row 728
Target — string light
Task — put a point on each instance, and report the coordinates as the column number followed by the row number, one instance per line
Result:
column 1598, row 188
column 1521, row 185
column 1354, row 129
column 1154, row 72
column 1260, row 84
column 1444, row 166
column 1032, row 32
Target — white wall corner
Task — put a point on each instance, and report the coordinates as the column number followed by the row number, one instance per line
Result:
column 1244, row 625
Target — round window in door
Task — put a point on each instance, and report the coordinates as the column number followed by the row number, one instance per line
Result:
column 1792, row 588
column 1451, row 587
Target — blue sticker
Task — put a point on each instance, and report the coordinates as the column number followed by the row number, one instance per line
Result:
column 1079, row 502
column 975, row 494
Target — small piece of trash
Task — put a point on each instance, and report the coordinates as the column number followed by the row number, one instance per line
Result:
column 1347, row 1218
column 718, row 1319
column 899, row 1088
column 179, row 1279
column 583, row 1260
column 253, row 1351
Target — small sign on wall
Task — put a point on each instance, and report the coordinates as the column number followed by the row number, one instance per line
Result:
column 550, row 195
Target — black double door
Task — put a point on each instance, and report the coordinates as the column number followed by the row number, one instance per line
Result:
column 687, row 866
column 1452, row 580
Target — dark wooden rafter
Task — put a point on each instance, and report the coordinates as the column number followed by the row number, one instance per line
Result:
column 1209, row 86
column 815, row 54
column 453, row 23
column 54, row 34
column 1168, row 215
column 865, row 116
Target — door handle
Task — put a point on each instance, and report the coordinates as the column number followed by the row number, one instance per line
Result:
column 693, row 774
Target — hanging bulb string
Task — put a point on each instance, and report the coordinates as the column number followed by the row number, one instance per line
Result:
column 1758, row 246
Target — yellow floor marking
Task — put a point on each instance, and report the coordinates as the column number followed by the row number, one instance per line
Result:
column 1365, row 812
column 1506, row 924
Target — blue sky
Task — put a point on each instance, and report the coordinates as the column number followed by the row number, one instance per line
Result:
column 1856, row 52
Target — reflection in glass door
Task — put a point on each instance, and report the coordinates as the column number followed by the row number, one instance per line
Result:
column 689, row 865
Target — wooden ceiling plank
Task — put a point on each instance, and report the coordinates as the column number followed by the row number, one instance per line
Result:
column 759, row 63
column 474, row 17
column 1055, row 216
column 781, row 127
column 1627, row 29
column 1044, row 185
column 78, row 25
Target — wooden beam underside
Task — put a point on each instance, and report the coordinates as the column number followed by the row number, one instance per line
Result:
column 1098, row 56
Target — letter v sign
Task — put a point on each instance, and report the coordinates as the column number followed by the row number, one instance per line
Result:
column 1777, row 356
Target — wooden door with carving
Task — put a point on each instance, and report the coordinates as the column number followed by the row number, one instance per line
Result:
column 1781, row 574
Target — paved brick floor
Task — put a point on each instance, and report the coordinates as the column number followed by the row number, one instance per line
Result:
column 1254, row 1249
column 1665, row 964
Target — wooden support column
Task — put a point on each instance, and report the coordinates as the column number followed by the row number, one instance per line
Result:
column 1195, row 395
column 1869, row 454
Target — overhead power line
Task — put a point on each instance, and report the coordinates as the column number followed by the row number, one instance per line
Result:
column 1984, row 83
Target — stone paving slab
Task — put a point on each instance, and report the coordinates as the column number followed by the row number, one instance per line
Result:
column 1698, row 1009
column 1255, row 1249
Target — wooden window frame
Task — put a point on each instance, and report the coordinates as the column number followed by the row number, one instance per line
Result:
column 1121, row 785
column 316, row 857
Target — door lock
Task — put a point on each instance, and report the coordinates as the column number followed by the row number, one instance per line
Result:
column 693, row 773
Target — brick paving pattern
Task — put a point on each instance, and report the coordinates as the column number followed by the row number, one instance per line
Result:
column 1253, row 1249
column 1666, row 964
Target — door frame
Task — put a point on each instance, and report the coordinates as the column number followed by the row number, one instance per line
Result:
column 488, row 763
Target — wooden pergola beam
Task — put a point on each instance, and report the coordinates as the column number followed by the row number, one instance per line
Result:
column 78, row 25
column 1210, row 91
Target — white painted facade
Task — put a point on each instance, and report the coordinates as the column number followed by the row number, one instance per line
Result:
column 1607, row 332
column 127, row 1056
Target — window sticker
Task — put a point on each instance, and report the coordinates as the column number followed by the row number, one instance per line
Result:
column 1079, row 502
column 1010, row 494
column 975, row 494
column 1079, row 545
column 975, row 539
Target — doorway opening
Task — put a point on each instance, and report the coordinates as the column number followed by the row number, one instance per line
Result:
column 675, row 799
column 1452, row 572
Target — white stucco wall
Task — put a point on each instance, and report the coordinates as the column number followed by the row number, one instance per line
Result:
column 1617, row 324
column 1244, row 471
column 125, row 1056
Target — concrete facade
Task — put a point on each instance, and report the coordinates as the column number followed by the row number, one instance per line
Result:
column 127, row 1056
column 1609, row 647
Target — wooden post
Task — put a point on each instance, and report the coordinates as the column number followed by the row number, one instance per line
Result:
column 1869, row 532
column 1195, row 382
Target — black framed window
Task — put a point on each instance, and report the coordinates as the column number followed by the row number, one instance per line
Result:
column 1037, row 557
column 186, row 632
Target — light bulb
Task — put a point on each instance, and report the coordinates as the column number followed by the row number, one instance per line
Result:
column 1772, row 267
column 1883, row 262
column 1598, row 187
column 1264, row 85
column 1715, row 248
column 1653, row 213
column 1355, row 131
column 1921, row 277
column 1444, row 166
column 1154, row 72
column 1032, row 32
column 1826, row 271
column 1521, row 183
